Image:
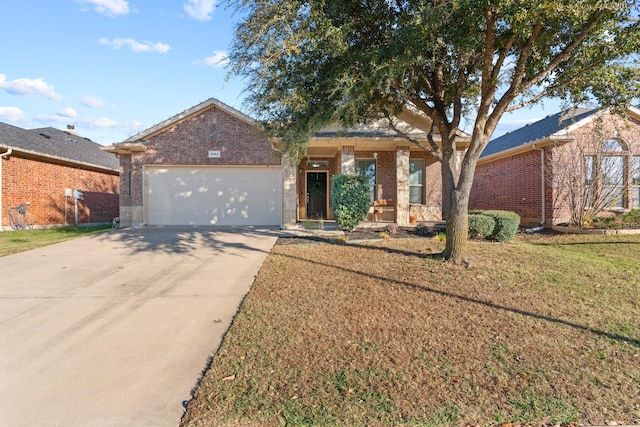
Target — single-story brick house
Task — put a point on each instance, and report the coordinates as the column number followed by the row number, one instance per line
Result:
column 531, row 170
column 39, row 167
column 211, row 165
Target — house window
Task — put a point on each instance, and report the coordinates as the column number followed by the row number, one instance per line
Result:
column 635, row 182
column 606, row 175
column 612, row 168
column 588, row 170
column 367, row 167
column 416, row 181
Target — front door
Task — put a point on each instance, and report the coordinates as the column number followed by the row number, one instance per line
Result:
column 316, row 195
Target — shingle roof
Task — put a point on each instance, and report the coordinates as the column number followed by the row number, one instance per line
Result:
column 56, row 144
column 536, row 131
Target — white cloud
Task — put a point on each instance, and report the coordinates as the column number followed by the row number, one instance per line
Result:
column 93, row 102
column 49, row 119
column 200, row 9
column 135, row 46
column 68, row 112
column 89, row 123
column 100, row 122
column 12, row 115
column 132, row 128
column 29, row 87
column 109, row 7
column 218, row 60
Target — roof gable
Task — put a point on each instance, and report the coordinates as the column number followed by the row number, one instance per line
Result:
column 56, row 144
column 211, row 102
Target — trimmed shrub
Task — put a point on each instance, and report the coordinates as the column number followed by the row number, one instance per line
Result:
column 480, row 226
column 506, row 224
column 607, row 223
column 350, row 200
column 632, row 218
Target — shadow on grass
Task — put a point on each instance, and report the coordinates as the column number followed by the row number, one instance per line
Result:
column 422, row 288
column 186, row 239
column 612, row 242
column 360, row 244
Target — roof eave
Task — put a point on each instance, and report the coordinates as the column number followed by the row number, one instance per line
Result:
column 58, row 159
column 124, row 148
column 533, row 145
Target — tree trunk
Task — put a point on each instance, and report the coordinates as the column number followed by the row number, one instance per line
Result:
column 457, row 180
column 457, row 228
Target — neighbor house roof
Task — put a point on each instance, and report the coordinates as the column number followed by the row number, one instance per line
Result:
column 56, row 145
column 538, row 131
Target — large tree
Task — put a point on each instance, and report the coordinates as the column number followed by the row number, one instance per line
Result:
column 460, row 62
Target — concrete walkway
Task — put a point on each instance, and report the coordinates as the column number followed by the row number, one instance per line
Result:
column 115, row 329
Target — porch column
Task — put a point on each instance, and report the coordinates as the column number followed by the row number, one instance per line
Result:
column 289, row 193
column 402, row 185
column 348, row 160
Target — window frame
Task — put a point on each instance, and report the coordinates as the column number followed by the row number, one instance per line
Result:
column 614, row 149
column 421, row 184
column 635, row 182
column 373, row 178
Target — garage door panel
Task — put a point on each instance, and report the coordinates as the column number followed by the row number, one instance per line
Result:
column 214, row 196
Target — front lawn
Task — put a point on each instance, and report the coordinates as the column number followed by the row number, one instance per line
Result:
column 12, row 241
column 544, row 330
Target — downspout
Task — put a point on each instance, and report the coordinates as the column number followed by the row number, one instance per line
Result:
column 543, row 186
column 5, row 154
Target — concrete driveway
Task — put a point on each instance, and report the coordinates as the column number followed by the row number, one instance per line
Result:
column 115, row 329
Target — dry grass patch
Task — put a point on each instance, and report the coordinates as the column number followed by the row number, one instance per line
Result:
column 12, row 241
column 543, row 331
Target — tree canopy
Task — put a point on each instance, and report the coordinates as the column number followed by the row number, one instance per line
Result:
column 462, row 63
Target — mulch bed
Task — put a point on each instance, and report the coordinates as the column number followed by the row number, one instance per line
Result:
column 389, row 232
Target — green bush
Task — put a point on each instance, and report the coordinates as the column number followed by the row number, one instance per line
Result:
column 506, row 224
column 350, row 200
column 480, row 226
column 607, row 223
column 632, row 218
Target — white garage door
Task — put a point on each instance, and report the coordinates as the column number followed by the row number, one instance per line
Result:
column 214, row 196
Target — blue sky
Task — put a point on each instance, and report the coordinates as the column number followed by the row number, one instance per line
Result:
column 115, row 67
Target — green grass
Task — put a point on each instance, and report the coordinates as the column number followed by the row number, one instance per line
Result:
column 12, row 242
column 544, row 330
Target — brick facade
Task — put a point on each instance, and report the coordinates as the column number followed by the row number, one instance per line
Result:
column 512, row 183
column 386, row 180
column 43, row 184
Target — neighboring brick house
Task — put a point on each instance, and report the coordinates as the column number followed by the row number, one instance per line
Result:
column 211, row 165
column 39, row 165
column 531, row 170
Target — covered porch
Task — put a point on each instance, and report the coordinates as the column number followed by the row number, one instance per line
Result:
column 405, row 179
column 405, row 183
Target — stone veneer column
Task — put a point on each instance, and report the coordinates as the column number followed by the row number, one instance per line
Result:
column 402, row 185
column 348, row 160
column 289, row 192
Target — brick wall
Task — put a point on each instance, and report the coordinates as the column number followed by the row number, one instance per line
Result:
column 188, row 142
column 43, row 185
column 513, row 184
